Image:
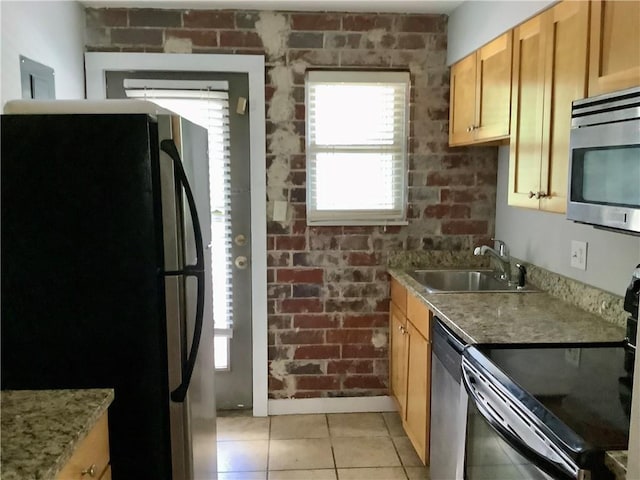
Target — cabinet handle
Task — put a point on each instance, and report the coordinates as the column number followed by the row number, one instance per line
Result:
column 91, row 471
column 531, row 194
column 540, row 195
column 470, row 128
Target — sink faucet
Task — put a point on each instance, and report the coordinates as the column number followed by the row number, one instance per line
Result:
column 501, row 255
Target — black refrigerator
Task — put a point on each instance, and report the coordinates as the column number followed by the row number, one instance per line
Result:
column 106, row 276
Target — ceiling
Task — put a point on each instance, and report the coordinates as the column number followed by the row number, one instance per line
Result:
column 397, row 6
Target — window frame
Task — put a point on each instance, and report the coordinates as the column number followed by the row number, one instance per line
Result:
column 396, row 216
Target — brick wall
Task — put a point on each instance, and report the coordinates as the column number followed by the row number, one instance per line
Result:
column 328, row 288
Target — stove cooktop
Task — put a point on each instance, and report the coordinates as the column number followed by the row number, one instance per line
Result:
column 582, row 393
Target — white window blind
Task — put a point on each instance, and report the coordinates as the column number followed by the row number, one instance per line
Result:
column 357, row 129
column 206, row 104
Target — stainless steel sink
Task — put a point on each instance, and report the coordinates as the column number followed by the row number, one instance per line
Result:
column 450, row 281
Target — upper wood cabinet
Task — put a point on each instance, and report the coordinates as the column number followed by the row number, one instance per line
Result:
column 614, row 62
column 480, row 94
column 549, row 72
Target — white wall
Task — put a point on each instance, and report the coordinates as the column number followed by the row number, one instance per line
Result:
column 48, row 32
column 544, row 239
column 475, row 22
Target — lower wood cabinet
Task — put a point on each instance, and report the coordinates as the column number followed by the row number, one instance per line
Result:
column 91, row 458
column 410, row 365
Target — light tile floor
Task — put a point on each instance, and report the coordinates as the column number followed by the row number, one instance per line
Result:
column 345, row 446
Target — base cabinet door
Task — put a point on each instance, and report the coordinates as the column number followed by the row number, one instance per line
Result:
column 418, row 392
column 398, row 359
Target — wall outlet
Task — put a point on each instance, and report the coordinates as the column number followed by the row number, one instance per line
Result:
column 579, row 254
column 572, row 356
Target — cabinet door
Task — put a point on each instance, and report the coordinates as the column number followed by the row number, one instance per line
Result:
column 525, row 151
column 493, row 89
column 566, row 38
column 398, row 358
column 614, row 46
column 462, row 101
column 418, row 392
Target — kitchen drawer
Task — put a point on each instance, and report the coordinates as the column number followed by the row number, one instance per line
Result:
column 399, row 295
column 92, row 454
column 419, row 315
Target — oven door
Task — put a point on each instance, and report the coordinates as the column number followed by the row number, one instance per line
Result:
column 502, row 442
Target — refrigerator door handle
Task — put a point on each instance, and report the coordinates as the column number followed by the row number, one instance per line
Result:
column 197, row 270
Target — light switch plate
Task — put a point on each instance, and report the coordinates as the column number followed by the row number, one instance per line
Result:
column 279, row 211
column 579, row 254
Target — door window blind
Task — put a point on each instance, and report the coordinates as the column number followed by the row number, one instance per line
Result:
column 357, row 128
column 200, row 103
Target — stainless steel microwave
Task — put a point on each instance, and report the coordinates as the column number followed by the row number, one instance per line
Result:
column 604, row 163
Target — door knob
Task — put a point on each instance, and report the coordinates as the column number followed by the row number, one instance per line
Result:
column 241, row 262
column 240, row 240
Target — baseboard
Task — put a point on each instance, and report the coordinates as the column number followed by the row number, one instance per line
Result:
column 290, row 406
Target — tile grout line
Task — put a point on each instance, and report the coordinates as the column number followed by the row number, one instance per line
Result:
column 395, row 447
column 266, row 476
column 333, row 453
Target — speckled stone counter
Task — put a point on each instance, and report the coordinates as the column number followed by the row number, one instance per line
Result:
column 535, row 317
column 41, row 429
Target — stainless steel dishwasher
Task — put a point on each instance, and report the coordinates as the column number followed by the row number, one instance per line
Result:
column 448, row 405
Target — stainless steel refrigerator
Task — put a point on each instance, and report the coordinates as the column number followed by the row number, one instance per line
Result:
column 106, row 276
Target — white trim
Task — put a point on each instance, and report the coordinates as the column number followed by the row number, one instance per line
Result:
column 96, row 63
column 331, row 405
column 155, row 84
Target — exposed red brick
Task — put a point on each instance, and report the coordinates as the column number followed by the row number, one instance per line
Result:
column 354, row 242
column 363, row 381
column 301, row 305
column 437, row 211
column 365, row 321
column 304, row 368
column 359, row 23
column 270, row 275
column 148, row 17
column 303, row 290
column 300, row 111
column 361, row 290
column 202, row 38
column 271, row 242
column 302, row 337
column 363, row 351
column 465, row 227
column 314, row 321
column 298, row 162
column 136, row 36
column 208, row 19
column 484, row 178
column 411, row 42
column 298, row 227
column 317, row 382
column 281, row 322
column 422, row 23
column 350, row 366
column 275, row 384
column 106, row 17
column 300, row 275
column 235, row 38
column 343, row 336
column 351, row 305
column 278, row 259
column 362, row 259
column 291, row 243
column 315, row 21
column 298, row 178
column 449, row 179
column 316, row 352
column 460, row 211
column 278, row 291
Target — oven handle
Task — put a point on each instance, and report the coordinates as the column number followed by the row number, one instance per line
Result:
column 537, row 458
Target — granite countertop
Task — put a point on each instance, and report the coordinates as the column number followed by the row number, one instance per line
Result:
column 531, row 317
column 41, row 428
column 528, row 317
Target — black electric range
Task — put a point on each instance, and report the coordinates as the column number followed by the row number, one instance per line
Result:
column 561, row 406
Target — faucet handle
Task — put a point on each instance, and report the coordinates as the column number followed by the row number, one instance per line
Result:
column 502, row 247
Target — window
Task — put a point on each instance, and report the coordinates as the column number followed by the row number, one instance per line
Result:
column 357, row 129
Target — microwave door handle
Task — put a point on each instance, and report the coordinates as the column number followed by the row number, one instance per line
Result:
column 515, row 442
column 197, row 271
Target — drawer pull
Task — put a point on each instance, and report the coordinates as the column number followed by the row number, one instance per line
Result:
column 91, row 471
